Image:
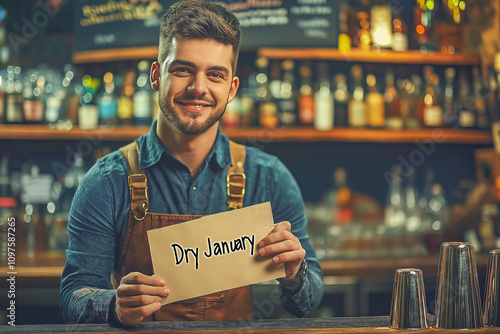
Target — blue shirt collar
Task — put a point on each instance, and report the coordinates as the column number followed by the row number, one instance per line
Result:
column 151, row 149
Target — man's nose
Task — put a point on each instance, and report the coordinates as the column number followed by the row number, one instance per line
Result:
column 198, row 84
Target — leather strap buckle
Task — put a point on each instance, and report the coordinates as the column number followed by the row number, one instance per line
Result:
column 140, row 211
column 236, row 184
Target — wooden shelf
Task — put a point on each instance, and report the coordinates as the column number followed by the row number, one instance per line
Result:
column 356, row 55
column 383, row 56
column 292, row 134
column 97, row 56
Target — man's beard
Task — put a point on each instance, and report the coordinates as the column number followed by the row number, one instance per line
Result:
column 192, row 126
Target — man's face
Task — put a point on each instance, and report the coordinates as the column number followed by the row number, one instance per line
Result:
column 196, row 84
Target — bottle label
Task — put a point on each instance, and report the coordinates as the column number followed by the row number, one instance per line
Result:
column 433, row 116
column 53, row 109
column 33, row 111
column 323, row 115
column 142, row 104
column 467, row 119
column 108, row 108
column 88, row 117
column 13, row 112
column 357, row 115
column 125, row 108
column 399, row 42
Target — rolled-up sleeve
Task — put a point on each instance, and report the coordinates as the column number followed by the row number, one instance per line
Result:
column 86, row 289
column 288, row 205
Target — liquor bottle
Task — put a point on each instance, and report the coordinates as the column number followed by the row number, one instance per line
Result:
column 416, row 115
column 33, row 106
column 125, row 102
column 143, row 108
column 380, row 24
column 8, row 205
column 467, row 114
column 392, row 101
column 356, row 106
column 423, row 24
column 433, row 111
column 73, row 91
column 323, row 100
column 399, row 31
column 375, row 105
column 14, row 99
column 88, row 111
column 450, row 113
column 412, row 209
column 338, row 199
column 341, row 97
column 288, row 94
column 344, row 40
column 361, row 31
column 395, row 208
column 268, row 112
column 55, row 96
column 306, row 96
column 107, row 101
column 481, row 93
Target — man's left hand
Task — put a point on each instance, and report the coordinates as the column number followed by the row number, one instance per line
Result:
column 286, row 246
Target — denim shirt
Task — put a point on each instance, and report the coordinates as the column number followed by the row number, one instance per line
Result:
column 99, row 217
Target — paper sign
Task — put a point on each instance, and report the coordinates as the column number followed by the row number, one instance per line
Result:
column 214, row 253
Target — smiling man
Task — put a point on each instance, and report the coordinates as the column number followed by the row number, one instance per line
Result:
column 182, row 169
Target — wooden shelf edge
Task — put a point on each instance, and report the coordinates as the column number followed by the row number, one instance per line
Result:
column 108, row 55
column 383, row 56
column 260, row 135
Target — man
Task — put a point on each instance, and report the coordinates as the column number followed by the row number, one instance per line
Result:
column 176, row 173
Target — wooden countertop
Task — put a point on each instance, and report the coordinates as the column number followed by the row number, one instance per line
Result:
column 345, row 325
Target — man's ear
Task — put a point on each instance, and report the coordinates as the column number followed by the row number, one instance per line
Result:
column 154, row 76
column 234, row 88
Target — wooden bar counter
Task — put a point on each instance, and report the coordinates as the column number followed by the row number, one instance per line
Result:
column 373, row 325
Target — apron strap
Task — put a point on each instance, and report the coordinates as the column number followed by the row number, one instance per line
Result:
column 137, row 182
column 236, row 176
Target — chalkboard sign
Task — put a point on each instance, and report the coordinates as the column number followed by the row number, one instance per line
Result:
column 287, row 23
column 282, row 23
column 117, row 23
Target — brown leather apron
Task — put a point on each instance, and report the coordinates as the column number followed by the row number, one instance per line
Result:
column 234, row 304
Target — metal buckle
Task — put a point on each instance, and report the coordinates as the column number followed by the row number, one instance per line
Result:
column 235, row 184
column 142, row 210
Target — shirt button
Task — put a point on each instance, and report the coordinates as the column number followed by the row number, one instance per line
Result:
column 194, row 188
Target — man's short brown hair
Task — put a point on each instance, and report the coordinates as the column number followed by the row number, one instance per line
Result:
column 202, row 19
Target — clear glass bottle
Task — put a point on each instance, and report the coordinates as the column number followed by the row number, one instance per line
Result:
column 395, row 216
column 356, row 105
column 13, row 98
column 143, row 106
column 323, row 100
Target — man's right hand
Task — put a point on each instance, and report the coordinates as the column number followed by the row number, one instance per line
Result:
column 137, row 297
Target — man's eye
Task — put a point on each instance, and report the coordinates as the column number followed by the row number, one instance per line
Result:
column 217, row 75
column 181, row 70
